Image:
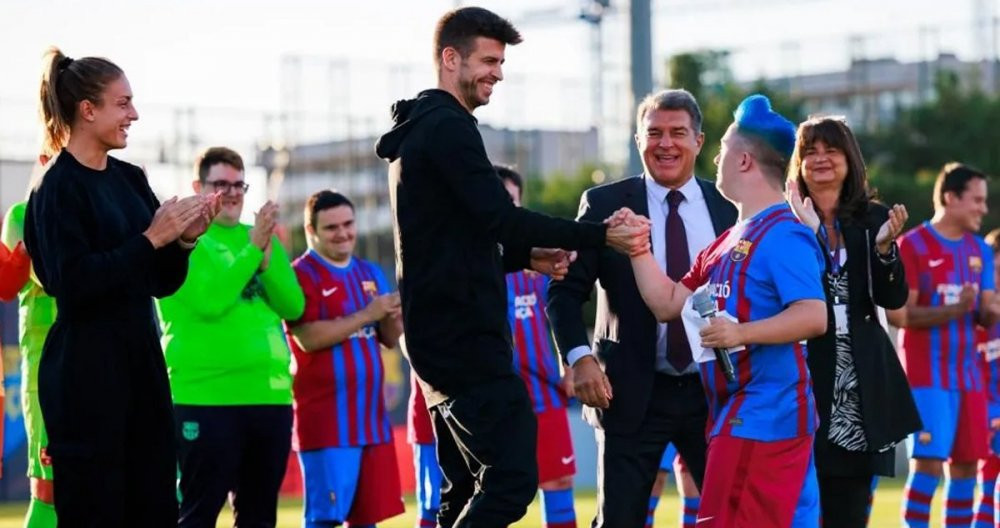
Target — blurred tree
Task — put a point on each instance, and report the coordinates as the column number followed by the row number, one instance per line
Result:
column 559, row 194
column 707, row 75
column 905, row 157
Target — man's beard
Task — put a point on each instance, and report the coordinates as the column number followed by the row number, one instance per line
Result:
column 467, row 88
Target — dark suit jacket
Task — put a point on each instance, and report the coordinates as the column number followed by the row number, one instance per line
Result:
column 625, row 331
column 887, row 407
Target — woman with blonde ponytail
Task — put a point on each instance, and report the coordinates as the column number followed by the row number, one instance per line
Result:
column 103, row 246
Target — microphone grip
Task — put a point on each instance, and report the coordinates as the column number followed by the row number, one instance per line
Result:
column 722, row 358
column 726, row 364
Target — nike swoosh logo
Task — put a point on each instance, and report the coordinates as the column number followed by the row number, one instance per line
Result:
column 567, row 460
column 327, row 293
column 935, row 263
column 700, row 520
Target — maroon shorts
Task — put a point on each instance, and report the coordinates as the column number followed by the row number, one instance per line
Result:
column 754, row 484
column 555, row 447
column 378, row 495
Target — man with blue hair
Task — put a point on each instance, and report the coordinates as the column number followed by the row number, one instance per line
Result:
column 763, row 275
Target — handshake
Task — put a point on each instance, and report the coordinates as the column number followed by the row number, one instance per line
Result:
column 627, row 233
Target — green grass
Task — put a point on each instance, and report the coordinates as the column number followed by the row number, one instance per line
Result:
column 884, row 515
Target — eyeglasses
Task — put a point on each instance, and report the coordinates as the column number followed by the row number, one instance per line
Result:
column 225, row 186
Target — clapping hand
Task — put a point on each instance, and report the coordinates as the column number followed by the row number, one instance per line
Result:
column 211, row 204
column 552, row 262
column 382, row 306
column 628, row 232
column 265, row 219
column 172, row 219
column 802, row 208
column 891, row 228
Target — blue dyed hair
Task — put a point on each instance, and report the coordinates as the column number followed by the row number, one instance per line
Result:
column 769, row 136
column 755, row 116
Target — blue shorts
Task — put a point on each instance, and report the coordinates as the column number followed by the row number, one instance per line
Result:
column 955, row 425
column 428, row 482
column 807, row 510
column 667, row 462
column 331, row 480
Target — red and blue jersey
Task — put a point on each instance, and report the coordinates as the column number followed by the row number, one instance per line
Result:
column 989, row 350
column 337, row 392
column 534, row 356
column 943, row 356
column 419, row 429
column 754, row 271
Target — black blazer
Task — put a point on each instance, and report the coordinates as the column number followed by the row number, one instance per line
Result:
column 889, row 413
column 625, row 331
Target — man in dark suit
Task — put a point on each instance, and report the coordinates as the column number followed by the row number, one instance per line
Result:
column 638, row 382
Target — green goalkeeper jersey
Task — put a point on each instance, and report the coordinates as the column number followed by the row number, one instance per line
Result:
column 36, row 310
column 222, row 333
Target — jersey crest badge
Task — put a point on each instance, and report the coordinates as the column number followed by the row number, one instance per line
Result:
column 740, row 250
column 190, row 431
column 975, row 264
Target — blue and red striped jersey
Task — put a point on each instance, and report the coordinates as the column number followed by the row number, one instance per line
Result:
column 936, row 268
column 754, row 271
column 337, row 392
column 534, row 355
column 989, row 350
column 419, row 429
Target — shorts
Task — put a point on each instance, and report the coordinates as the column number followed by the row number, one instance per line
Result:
column 956, row 428
column 39, row 463
column 555, row 446
column 428, row 481
column 755, row 484
column 667, row 462
column 359, row 485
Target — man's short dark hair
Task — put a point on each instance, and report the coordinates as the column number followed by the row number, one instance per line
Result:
column 459, row 28
column 321, row 201
column 509, row 174
column 674, row 99
column 954, row 177
column 215, row 155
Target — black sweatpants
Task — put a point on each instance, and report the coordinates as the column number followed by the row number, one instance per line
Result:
column 486, row 440
column 241, row 449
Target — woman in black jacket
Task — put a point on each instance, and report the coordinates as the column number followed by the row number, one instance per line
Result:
column 864, row 401
column 103, row 246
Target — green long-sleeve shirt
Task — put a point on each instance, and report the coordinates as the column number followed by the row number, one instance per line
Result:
column 222, row 332
column 37, row 311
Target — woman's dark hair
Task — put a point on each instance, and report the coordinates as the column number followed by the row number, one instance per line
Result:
column 855, row 195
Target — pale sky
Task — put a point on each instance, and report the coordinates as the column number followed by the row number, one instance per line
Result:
column 224, row 56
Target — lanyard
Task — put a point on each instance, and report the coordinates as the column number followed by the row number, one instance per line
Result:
column 833, row 251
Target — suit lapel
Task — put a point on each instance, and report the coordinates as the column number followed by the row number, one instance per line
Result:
column 635, row 198
column 717, row 207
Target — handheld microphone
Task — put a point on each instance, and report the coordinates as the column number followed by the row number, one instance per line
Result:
column 703, row 304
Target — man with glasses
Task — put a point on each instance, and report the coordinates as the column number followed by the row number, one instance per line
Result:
column 227, row 357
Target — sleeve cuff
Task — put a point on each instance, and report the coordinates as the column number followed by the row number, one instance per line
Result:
column 577, row 353
column 186, row 245
column 891, row 258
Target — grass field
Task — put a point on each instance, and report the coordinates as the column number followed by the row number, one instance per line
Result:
column 885, row 513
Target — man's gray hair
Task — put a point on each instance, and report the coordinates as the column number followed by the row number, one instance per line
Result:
column 674, row 99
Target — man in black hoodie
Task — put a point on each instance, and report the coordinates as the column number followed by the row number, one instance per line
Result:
column 457, row 232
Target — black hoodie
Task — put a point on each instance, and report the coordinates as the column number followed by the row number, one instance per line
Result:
column 456, row 233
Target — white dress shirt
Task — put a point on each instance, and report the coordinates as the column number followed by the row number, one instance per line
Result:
column 700, row 233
